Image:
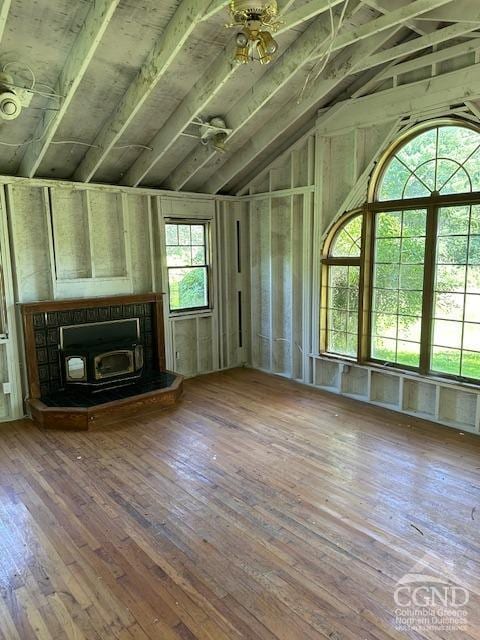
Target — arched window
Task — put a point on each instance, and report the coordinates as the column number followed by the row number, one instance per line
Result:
column 420, row 267
column 342, row 264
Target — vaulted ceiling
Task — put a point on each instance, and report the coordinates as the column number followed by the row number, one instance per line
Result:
column 119, row 84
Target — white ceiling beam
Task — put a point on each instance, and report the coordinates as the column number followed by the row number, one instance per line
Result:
column 424, row 95
column 394, row 18
column 162, row 55
column 429, row 59
column 417, row 44
column 248, row 106
column 458, row 11
column 76, row 65
column 334, row 73
column 473, row 108
column 378, row 107
column 386, row 6
column 215, row 7
column 216, row 76
column 4, row 11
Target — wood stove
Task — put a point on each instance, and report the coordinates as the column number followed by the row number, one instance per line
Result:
column 101, row 354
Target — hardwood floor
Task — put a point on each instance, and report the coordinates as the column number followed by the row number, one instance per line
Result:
column 255, row 509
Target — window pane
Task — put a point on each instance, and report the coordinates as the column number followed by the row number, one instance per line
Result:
column 342, row 320
column 398, row 286
column 178, row 256
column 456, row 336
column 413, row 225
column 472, row 308
column 188, row 287
column 384, row 349
column 385, row 325
column 453, row 221
column 410, row 302
column 446, row 360
column 444, row 159
column 449, row 306
column 184, row 236
column 348, row 240
column 198, row 234
column 387, row 250
column 447, row 333
column 452, row 250
column 385, row 300
column 408, row 353
column 389, row 224
column 171, row 233
column 198, row 255
column 471, row 364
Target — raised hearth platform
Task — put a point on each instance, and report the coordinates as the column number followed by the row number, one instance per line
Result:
column 84, row 411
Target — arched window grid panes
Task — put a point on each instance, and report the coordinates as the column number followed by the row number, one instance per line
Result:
column 418, row 263
column 341, row 284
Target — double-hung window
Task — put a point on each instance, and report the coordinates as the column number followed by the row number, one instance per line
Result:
column 187, row 265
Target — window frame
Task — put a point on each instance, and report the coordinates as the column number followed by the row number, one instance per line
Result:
column 432, row 204
column 328, row 261
column 208, row 264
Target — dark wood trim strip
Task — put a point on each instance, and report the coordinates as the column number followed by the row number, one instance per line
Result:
column 83, row 303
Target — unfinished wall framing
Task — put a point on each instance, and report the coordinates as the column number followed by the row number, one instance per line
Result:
column 71, row 240
column 286, row 288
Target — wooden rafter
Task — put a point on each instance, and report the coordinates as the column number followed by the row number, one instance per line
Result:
column 289, row 64
column 76, row 65
column 159, row 60
column 203, row 92
column 384, row 106
column 276, row 78
column 4, row 11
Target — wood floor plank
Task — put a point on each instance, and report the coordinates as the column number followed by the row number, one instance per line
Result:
column 255, row 509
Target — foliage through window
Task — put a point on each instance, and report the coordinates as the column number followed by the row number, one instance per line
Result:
column 343, row 277
column 442, row 160
column 187, row 264
column 420, row 306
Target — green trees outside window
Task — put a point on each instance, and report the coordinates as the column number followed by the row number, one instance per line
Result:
column 406, row 290
column 187, row 265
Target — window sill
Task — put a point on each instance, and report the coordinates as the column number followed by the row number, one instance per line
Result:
column 204, row 312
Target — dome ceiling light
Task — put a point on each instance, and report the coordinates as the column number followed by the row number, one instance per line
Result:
column 257, row 21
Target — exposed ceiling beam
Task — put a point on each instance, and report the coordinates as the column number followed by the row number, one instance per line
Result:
column 76, row 65
column 417, row 44
column 473, row 108
column 458, row 11
column 248, row 106
column 287, row 117
column 176, row 33
column 203, row 92
column 334, row 73
column 4, row 11
column 399, row 16
column 215, row 7
column 386, row 6
column 432, row 93
column 430, row 59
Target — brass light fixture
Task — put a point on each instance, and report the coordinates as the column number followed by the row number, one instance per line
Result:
column 257, row 21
